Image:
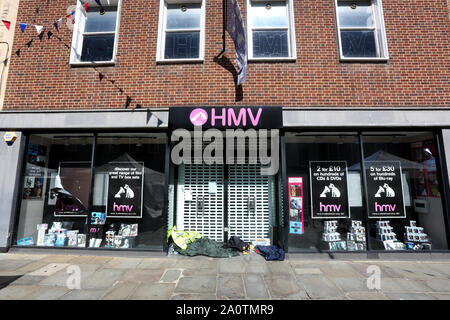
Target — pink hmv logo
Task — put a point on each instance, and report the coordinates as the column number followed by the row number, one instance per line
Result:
column 198, row 117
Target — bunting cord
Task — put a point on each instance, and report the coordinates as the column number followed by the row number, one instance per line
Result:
column 101, row 76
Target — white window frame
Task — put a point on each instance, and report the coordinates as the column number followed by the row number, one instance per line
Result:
column 78, row 33
column 380, row 33
column 162, row 31
column 292, row 47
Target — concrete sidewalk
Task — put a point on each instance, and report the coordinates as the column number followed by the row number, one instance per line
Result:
column 45, row 276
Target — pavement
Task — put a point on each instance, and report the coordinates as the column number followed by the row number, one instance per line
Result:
column 37, row 276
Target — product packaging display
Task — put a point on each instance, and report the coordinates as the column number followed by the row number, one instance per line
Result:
column 356, row 238
column 25, row 242
column 41, row 233
column 95, row 242
column 385, row 232
column 338, row 246
column 72, row 238
column 416, row 238
column 332, row 236
column 61, row 237
column 98, row 218
column 81, row 240
column 49, row 239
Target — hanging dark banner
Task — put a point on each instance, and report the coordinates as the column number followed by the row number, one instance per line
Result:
column 385, row 189
column 329, row 195
column 125, row 186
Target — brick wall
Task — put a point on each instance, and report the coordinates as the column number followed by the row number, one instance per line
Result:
column 417, row 73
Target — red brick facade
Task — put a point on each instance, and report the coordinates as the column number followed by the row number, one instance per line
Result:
column 417, row 74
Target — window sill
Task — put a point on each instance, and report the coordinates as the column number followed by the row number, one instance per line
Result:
column 175, row 61
column 286, row 59
column 364, row 59
column 92, row 63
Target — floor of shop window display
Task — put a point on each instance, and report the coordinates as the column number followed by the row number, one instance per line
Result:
column 32, row 276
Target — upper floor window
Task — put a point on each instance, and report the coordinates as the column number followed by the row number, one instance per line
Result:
column 361, row 30
column 181, row 30
column 95, row 34
column 270, row 27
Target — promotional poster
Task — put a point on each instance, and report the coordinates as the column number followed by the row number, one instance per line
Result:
column 329, row 195
column 126, row 180
column 385, row 190
column 296, row 205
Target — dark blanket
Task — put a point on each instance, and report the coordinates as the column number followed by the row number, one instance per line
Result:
column 206, row 247
column 271, row 252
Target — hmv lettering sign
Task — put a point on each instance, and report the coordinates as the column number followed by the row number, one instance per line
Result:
column 226, row 117
column 385, row 189
column 329, row 194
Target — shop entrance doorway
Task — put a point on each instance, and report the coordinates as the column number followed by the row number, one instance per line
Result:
column 220, row 201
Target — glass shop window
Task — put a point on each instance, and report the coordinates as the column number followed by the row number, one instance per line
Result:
column 361, row 30
column 95, row 33
column 271, row 30
column 326, row 210
column 404, row 191
column 128, row 195
column 55, row 193
column 181, row 31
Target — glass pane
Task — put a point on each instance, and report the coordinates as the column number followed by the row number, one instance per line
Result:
column 326, row 207
column 56, row 191
column 179, row 19
column 355, row 16
column 270, row 44
column 101, row 23
column 98, row 47
column 129, row 190
column 404, row 193
column 269, row 14
column 358, row 44
column 182, row 45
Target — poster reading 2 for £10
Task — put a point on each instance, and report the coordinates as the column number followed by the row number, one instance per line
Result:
column 125, row 190
column 296, row 205
column 385, row 190
column 329, row 195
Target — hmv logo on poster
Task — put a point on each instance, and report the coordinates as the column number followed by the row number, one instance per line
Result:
column 385, row 190
column 329, row 195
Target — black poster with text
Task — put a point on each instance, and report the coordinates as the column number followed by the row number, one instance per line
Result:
column 125, row 190
column 385, row 190
column 329, row 195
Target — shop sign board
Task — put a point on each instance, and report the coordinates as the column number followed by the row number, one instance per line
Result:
column 329, row 193
column 226, row 117
column 296, row 225
column 385, row 189
column 125, row 189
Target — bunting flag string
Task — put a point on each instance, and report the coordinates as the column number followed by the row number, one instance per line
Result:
column 7, row 24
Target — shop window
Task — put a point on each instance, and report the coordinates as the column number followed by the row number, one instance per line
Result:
column 127, row 199
column 404, row 193
column 361, row 30
column 271, row 29
column 95, row 34
column 55, row 194
column 326, row 210
column 181, row 31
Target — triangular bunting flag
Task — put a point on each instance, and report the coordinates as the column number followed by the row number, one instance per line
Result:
column 69, row 16
column 60, row 22
column 86, row 6
column 102, row 10
column 39, row 29
column 138, row 106
column 56, row 26
column 7, row 24
column 23, row 26
column 101, row 76
column 18, row 53
column 128, row 102
column 49, row 34
column 29, row 43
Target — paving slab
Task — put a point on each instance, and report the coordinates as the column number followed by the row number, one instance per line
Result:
column 60, row 278
column 123, row 263
column 92, row 294
column 13, row 264
column 47, row 293
column 231, row 266
column 230, row 287
column 256, row 267
column 372, row 295
column 350, row 284
column 199, row 263
column 439, row 285
column 385, row 271
column 442, row 268
column 408, row 296
column 308, row 271
column 49, row 269
column 157, row 291
column 155, row 263
column 255, row 287
column 91, row 259
column 16, row 292
column 284, row 287
column 441, row 296
column 6, row 280
column 142, row 275
column 103, row 279
column 196, row 285
column 318, row 286
column 191, row 272
column 27, row 280
column 120, row 291
column 171, row 275
column 58, row 258
column 403, row 285
column 187, row 296
column 279, row 268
